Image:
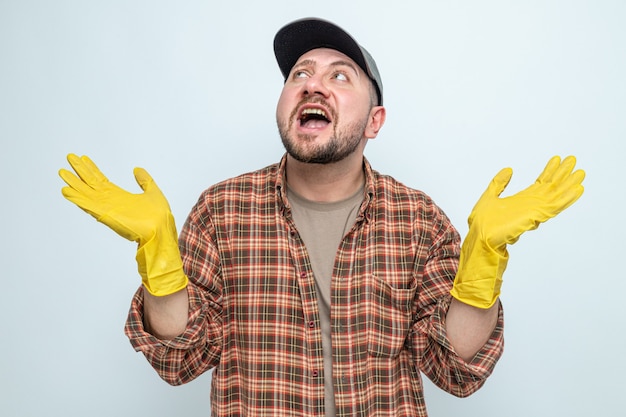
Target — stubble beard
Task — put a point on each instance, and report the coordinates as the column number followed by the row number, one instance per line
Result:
column 339, row 146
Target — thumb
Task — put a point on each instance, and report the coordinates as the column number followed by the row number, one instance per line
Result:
column 493, row 191
column 143, row 178
column 499, row 182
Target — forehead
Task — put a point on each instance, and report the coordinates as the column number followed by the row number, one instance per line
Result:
column 327, row 56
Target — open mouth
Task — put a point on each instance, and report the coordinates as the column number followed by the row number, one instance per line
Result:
column 313, row 118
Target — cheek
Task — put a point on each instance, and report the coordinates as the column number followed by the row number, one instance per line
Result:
column 282, row 107
column 356, row 112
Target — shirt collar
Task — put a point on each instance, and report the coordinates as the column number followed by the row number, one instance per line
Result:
column 368, row 189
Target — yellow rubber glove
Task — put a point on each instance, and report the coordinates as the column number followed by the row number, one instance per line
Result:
column 145, row 218
column 497, row 222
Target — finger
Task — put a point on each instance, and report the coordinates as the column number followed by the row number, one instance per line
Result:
column 499, row 182
column 578, row 176
column 565, row 193
column 551, row 167
column 75, row 182
column 143, row 178
column 93, row 168
column 83, row 202
column 571, row 182
column 573, row 188
column 564, row 170
column 67, row 176
column 86, row 170
column 570, row 197
column 80, row 168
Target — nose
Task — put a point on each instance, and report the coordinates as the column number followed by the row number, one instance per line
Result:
column 315, row 85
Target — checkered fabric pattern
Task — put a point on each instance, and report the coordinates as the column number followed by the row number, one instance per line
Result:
column 253, row 309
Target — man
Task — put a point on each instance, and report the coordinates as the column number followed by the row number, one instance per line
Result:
column 317, row 286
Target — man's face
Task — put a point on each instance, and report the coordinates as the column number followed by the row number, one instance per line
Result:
column 324, row 108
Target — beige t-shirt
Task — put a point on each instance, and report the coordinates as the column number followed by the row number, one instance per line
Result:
column 322, row 227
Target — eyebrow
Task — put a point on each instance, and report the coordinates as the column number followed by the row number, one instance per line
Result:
column 312, row 62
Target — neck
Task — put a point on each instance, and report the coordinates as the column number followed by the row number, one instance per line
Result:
column 326, row 182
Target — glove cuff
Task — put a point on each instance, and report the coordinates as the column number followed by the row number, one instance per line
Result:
column 479, row 276
column 159, row 263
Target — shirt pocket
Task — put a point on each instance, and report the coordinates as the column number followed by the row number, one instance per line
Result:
column 389, row 317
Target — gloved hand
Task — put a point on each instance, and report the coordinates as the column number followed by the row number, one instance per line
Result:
column 497, row 222
column 145, row 218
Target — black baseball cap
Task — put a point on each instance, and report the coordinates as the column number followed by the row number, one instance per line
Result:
column 300, row 36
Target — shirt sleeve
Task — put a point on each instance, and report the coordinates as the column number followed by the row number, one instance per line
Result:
column 198, row 348
column 429, row 342
column 448, row 370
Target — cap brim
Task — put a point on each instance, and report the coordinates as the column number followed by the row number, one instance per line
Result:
column 301, row 36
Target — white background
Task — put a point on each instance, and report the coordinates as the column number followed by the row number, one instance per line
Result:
column 187, row 89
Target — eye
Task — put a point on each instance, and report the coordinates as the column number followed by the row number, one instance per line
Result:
column 300, row 74
column 340, row 76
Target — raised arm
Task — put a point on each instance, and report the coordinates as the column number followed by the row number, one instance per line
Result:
column 145, row 218
column 495, row 223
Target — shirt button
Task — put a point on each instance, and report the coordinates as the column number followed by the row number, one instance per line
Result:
column 315, row 373
column 311, row 324
column 303, row 274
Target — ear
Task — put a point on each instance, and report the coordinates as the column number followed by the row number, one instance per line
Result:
column 375, row 122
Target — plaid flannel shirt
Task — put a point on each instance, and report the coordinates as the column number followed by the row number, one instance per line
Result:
column 253, row 311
